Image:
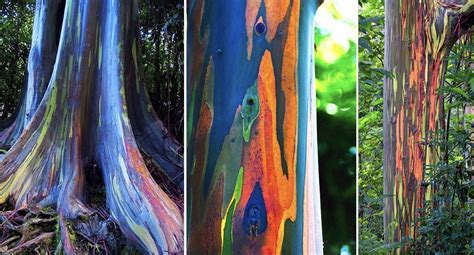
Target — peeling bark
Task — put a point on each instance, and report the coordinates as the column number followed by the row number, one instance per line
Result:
column 418, row 36
column 152, row 137
column 252, row 160
column 83, row 118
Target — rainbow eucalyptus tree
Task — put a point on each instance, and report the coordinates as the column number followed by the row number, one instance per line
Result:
column 40, row 65
column 252, row 149
column 85, row 104
column 418, row 37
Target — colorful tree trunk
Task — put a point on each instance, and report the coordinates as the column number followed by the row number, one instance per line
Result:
column 41, row 60
column 93, row 105
column 418, row 36
column 252, row 149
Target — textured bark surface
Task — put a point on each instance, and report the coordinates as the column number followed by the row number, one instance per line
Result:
column 92, row 102
column 252, row 150
column 418, row 36
column 46, row 32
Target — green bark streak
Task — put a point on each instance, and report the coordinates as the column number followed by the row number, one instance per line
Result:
column 250, row 110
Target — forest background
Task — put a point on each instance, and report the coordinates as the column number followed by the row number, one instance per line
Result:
column 444, row 229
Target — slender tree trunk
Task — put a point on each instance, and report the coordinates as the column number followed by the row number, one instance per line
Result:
column 252, row 149
column 92, row 106
column 46, row 32
column 418, row 36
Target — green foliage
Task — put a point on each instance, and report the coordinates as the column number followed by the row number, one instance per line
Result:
column 371, row 74
column 446, row 224
column 335, row 64
column 16, row 22
column 162, row 41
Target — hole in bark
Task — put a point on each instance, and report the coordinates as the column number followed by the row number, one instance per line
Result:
column 250, row 101
column 260, row 28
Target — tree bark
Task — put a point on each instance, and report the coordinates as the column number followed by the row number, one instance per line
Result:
column 87, row 116
column 418, row 36
column 253, row 181
column 46, row 32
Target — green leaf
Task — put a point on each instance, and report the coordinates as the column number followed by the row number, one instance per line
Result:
column 365, row 44
column 384, row 72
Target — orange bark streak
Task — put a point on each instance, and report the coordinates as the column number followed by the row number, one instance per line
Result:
column 276, row 10
column 262, row 163
column 250, row 19
column 288, row 83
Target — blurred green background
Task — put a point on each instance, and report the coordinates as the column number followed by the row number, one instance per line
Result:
column 335, row 66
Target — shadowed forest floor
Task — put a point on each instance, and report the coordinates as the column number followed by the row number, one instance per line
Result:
column 36, row 231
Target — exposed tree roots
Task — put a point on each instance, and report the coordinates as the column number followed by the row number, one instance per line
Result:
column 38, row 231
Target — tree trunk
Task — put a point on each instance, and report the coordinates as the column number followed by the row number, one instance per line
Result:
column 418, row 36
column 46, row 32
column 93, row 104
column 252, row 149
